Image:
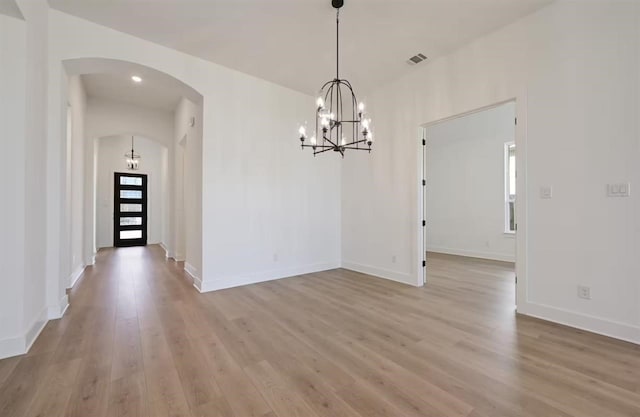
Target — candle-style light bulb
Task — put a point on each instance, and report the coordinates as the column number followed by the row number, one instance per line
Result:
column 365, row 123
column 320, row 103
column 344, row 140
column 302, row 131
column 361, row 107
column 313, row 140
column 370, row 138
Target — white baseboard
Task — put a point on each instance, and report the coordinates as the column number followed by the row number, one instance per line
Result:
column 396, row 276
column 91, row 260
column 581, row 321
column 494, row 256
column 167, row 253
column 35, row 329
column 56, row 312
column 75, row 276
column 263, row 276
column 20, row 345
column 192, row 270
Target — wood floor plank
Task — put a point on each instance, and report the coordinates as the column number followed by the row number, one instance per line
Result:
column 54, row 395
column 279, row 394
column 128, row 397
column 139, row 340
column 240, row 393
column 20, row 388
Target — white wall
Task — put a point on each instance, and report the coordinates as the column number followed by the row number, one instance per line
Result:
column 268, row 210
column 465, row 202
column 111, row 150
column 575, row 70
column 12, row 180
column 43, row 293
column 75, row 172
column 109, row 117
column 188, row 186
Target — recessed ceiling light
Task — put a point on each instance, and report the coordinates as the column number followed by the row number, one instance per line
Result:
column 136, row 79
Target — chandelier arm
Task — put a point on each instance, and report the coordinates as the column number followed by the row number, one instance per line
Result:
column 333, row 145
column 355, row 148
column 340, row 132
column 326, row 84
column 318, row 146
column 354, row 105
column 331, row 108
column 356, row 142
column 326, row 149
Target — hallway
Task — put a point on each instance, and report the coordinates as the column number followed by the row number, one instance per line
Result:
column 139, row 340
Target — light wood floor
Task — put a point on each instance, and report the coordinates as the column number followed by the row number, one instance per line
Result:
column 138, row 340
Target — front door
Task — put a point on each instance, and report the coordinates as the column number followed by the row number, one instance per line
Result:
column 129, row 209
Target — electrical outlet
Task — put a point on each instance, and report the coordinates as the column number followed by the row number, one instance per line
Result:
column 584, row 292
column 393, row 259
column 275, row 257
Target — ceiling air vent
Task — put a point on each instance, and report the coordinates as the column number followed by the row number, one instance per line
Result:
column 416, row 59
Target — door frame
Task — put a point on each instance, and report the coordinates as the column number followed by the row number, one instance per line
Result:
column 521, row 184
column 117, row 214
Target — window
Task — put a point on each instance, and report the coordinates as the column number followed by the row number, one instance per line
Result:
column 510, row 187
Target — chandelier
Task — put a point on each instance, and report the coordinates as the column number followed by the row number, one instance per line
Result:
column 132, row 158
column 341, row 122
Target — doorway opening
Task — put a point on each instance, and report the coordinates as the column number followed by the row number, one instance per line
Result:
column 129, row 209
column 469, row 204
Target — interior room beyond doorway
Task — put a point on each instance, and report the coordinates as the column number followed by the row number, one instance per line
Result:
column 470, row 195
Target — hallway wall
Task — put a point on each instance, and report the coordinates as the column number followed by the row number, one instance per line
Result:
column 12, row 180
column 76, row 178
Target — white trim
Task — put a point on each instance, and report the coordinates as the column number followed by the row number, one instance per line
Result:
column 401, row 277
column 254, row 278
column 56, row 312
column 21, row 344
column 167, row 254
column 192, row 270
column 493, row 256
column 581, row 321
column 35, row 329
column 75, row 276
column 91, row 261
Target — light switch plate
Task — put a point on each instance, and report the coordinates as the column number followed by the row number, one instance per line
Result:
column 619, row 190
column 546, row 192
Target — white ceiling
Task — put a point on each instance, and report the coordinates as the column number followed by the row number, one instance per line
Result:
column 292, row 42
column 153, row 92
